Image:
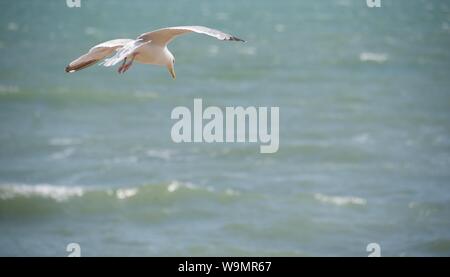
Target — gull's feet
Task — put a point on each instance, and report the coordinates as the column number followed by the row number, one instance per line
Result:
column 122, row 67
column 126, row 67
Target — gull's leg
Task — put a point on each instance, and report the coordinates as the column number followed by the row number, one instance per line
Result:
column 127, row 66
column 122, row 66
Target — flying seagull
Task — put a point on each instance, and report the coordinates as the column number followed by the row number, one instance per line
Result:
column 148, row 48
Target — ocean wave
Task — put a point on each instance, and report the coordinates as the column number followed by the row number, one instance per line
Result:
column 174, row 186
column 373, row 57
column 340, row 200
column 213, row 50
column 64, row 141
column 62, row 155
column 146, row 203
column 11, row 192
column 57, row 193
column 8, row 89
column 248, row 51
column 122, row 160
column 165, row 154
column 126, row 193
column 363, row 138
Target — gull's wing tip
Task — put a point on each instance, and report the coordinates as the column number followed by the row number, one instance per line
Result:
column 68, row 69
column 74, row 67
column 237, row 39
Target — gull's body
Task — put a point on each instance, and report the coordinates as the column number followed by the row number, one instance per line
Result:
column 148, row 48
column 153, row 54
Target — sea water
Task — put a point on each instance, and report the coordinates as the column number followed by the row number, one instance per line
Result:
column 364, row 154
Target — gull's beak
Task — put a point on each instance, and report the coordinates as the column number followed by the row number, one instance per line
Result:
column 171, row 69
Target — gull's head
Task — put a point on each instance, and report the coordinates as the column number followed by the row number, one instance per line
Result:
column 170, row 63
column 171, row 67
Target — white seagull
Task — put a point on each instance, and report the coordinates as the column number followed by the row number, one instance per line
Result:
column 148, row 48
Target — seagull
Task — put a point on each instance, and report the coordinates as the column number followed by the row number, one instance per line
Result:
column 148, row 48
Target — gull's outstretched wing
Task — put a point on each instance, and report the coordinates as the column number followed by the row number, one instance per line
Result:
column 128, row 49
column 97, row 53
column 164, row 36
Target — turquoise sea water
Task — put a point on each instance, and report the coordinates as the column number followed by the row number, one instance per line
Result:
column 364, row 97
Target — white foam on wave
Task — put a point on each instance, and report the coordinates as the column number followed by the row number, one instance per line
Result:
column 373, row 57
column 175, row 185
column 12, row 26
column 232, row 192
column 164, row 154
column 362, row 138
column 146, row 94
column 64, row 193
column 222, row 16
column 126, row 193
column 122, row 160
column 57, row 193
column 10, row 89
column 280, row 28
column 91, row 31
column 61, row 155
column 248, row 51
column 64, row 141
column 340, row 200
column 213, row 50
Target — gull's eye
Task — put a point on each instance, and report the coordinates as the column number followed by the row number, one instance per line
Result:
column 173, row 61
